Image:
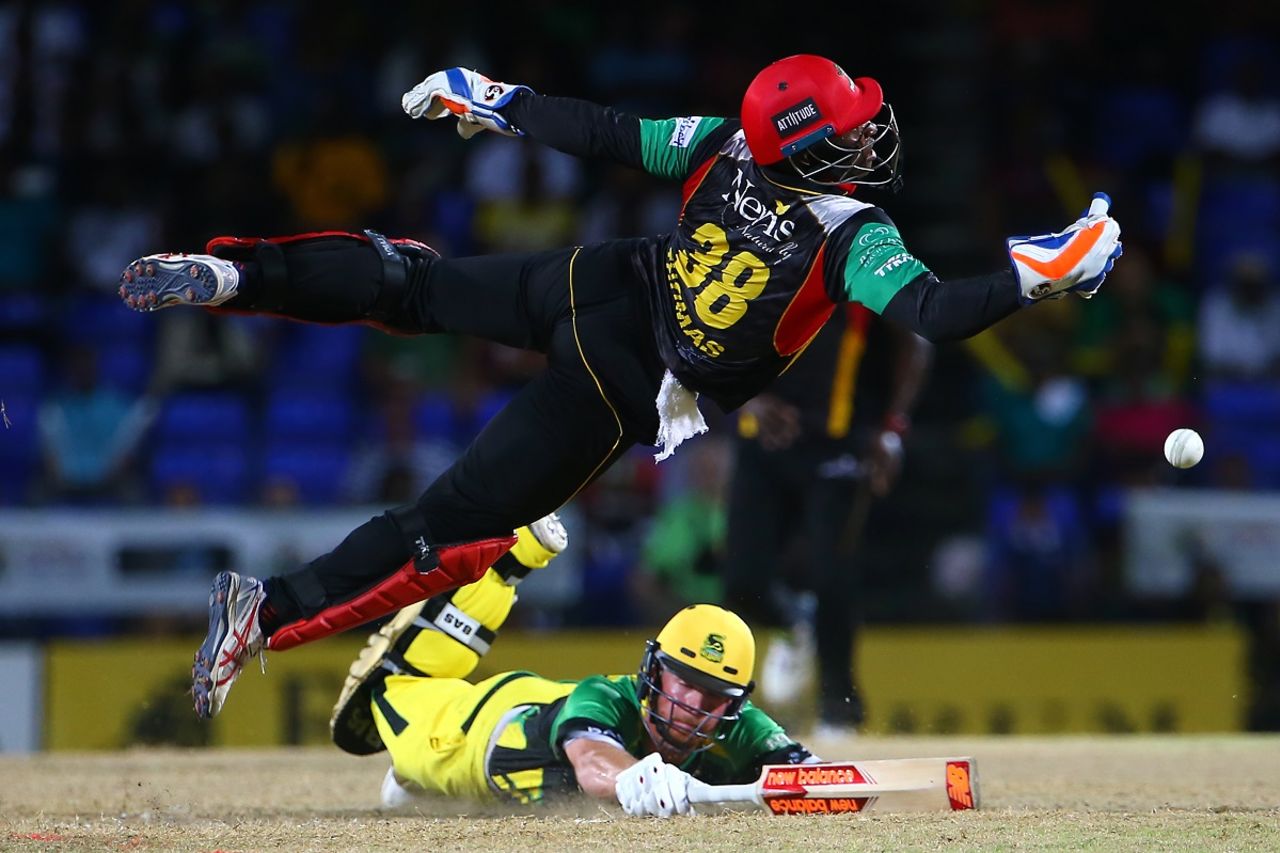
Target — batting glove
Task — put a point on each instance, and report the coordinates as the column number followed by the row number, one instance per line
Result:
column 653, row 787
column 472, row 97
column 1077, row 259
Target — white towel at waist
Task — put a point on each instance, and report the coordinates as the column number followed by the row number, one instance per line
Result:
column 678, row 416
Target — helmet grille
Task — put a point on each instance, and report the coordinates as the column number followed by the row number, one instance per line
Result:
column 871, row 162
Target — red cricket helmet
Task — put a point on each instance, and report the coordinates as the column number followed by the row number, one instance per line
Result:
column 834, row 129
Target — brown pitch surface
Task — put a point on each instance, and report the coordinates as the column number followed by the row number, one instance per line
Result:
column 1104, row 793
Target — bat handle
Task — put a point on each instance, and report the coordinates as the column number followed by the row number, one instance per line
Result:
column 701, row 792
column 1100, row 205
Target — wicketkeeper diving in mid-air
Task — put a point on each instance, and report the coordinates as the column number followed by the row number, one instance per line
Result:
column 770, row 238
column 637, row 739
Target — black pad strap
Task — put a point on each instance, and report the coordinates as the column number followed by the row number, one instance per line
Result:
column 394, row 275
column 510, row 569
column 450, row 620
column 413, row 527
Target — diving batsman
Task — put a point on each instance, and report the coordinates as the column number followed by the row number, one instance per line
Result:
column 638, row 739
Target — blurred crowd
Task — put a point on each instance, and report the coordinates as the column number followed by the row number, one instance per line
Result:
column 153, row 125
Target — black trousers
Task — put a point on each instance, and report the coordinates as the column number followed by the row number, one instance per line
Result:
column 807, row 491
column 586, row 308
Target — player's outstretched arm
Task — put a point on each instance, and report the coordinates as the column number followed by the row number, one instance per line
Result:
column 649, row 786
column 663, row 147
column 596, row 764
column 1047, row 266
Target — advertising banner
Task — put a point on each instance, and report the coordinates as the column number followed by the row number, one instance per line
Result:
column 923, row 681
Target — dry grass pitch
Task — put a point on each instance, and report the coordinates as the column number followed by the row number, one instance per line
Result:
column 1116, row 793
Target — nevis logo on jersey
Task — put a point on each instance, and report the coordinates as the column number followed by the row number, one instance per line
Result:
column 758, row 213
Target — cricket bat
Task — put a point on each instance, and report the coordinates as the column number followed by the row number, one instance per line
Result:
column 841, row 787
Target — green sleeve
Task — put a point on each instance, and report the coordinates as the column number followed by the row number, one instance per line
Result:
column 608, row 702
column 756, row 734
column 667, row 145
column 878, row 265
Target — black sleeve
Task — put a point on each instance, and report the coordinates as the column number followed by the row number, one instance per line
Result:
column 577, row 127
column 570, row 729
column 952, row 310
column 792, row 753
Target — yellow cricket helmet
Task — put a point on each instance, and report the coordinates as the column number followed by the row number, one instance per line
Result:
column 713, row 641
column 709, row 648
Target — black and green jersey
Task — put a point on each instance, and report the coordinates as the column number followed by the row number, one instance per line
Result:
column 756, row 263
column 608, row 708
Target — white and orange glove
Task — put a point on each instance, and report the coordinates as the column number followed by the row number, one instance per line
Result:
column 653, row 787
column 472, row 97
column 1077, row 259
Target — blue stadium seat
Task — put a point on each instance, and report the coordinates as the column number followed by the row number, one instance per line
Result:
column 219, row 473
column 22, row 311
column 309, row 355
column 1266, row 465
column 1237, row 217
column 22, row 371
column 309, row 415
column 98, row 319
column 201, row 418
column 1243, row 404
column 125, row 365
column 435, row 417
column 317, row 470
column 487, row 406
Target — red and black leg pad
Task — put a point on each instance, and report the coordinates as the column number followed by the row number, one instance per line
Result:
column 356, row 293
column 435, row 569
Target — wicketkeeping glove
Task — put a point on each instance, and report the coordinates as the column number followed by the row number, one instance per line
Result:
column 472, row 97
column 653, row 787
column 1077, row 259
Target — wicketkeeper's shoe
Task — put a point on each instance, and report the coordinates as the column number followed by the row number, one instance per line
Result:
column 351, row 726
column 158, row 281
column 788, row 669
column 234, row 636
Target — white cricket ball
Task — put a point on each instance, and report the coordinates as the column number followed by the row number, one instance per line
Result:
column 1183, row 448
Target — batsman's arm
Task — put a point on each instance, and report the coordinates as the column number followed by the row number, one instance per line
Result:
column 596, row 764
column 663, row 147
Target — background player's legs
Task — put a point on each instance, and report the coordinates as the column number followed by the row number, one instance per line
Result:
column 836, row 581
column 765, row 500
column 760, row 510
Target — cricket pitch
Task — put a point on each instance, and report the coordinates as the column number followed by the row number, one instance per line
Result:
column 1097, row 793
